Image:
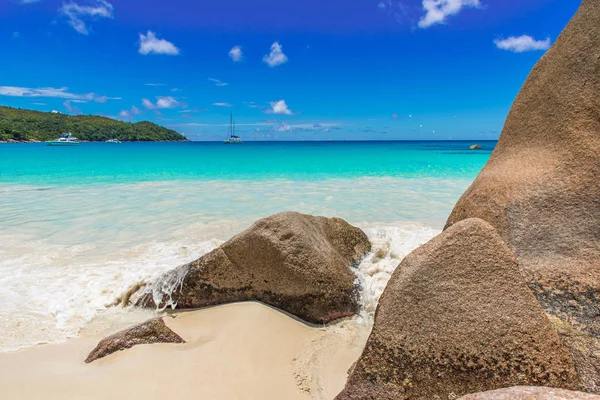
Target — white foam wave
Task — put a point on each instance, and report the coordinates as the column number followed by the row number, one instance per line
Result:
column 391, row 243
column 50, row 292
column 162, row 288
column 67, row 252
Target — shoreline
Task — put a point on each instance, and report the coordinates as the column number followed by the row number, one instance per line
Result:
column 472, row 141
column 240, row 350
column 92, row 141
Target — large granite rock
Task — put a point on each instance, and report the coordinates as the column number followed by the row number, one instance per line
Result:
column 152, row 331
column 458, row 318
column 295, row 262
column 585, row 351
column 530, row 393
column 541, row 186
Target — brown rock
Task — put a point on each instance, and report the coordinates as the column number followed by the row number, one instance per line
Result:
column 530, row 393
column 585, row 351
column 295, row 262
column 152, row 331
column 541, row 186
column 457, row 318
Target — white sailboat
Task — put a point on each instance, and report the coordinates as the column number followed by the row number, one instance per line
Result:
column 231, row 138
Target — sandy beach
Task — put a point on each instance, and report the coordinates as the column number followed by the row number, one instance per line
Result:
column 235, row 351
column 410, row 210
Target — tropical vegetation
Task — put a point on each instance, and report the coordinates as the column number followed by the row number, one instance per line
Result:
column 27, row 125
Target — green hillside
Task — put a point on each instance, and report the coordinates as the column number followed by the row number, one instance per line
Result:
column 24, row 125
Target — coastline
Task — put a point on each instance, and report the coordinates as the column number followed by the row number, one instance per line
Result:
column 91, row 141
column 183, row 216
column 304, row 269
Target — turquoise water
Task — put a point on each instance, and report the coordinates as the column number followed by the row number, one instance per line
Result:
column 79, row 226
column 140, row 162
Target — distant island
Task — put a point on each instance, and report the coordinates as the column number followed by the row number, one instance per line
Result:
column 30, row 126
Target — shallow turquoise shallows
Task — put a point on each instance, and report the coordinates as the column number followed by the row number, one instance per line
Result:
column 139, row 162
column 80, row 226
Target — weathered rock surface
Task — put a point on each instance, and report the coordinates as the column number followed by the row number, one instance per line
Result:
column 458, row 318
column 585, row 351
column 541, row 186
column 298, row 263
column 152, row 331
column 530, row 393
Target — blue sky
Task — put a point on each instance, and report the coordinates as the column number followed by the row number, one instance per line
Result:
column 287, row 69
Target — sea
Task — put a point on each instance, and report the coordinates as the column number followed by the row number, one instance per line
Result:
column 81, row 225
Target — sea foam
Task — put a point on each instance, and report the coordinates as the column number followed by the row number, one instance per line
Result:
column 68, row 253
column 51, row 292
column 391, row 243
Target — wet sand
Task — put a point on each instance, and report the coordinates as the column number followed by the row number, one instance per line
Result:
column 236, row 351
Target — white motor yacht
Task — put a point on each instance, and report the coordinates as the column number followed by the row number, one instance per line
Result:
column 66, row 139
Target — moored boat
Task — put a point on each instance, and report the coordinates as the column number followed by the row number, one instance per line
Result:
column 66, row 139
column 231, row 137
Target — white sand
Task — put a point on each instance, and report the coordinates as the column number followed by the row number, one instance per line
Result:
column 237, row 351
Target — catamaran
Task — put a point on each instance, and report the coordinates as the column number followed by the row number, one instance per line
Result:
column 231, row 138
column 66, row 139
column 113, row 141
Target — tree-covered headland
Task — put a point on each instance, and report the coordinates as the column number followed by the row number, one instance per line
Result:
column 26, row 125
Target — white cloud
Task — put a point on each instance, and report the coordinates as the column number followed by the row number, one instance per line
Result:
column 70, row 108
column 276, row 56
column 220, row 125
column 59, row 93
column 222, row 105
column 28, row 1
column 279, row 107
column 103, row 99
column 522, row 44
column 76, row 13
column 236, row 53
column 283, row 127
column 436, row 11
column 15, row 34
column 217, row 82
column 150, row 44
column 147, row 104
column 161, row 102
column 154, row 84
column 166, row 102
column 252, row 104
column 275, row 126
column 127, row 114
column 195, row 110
